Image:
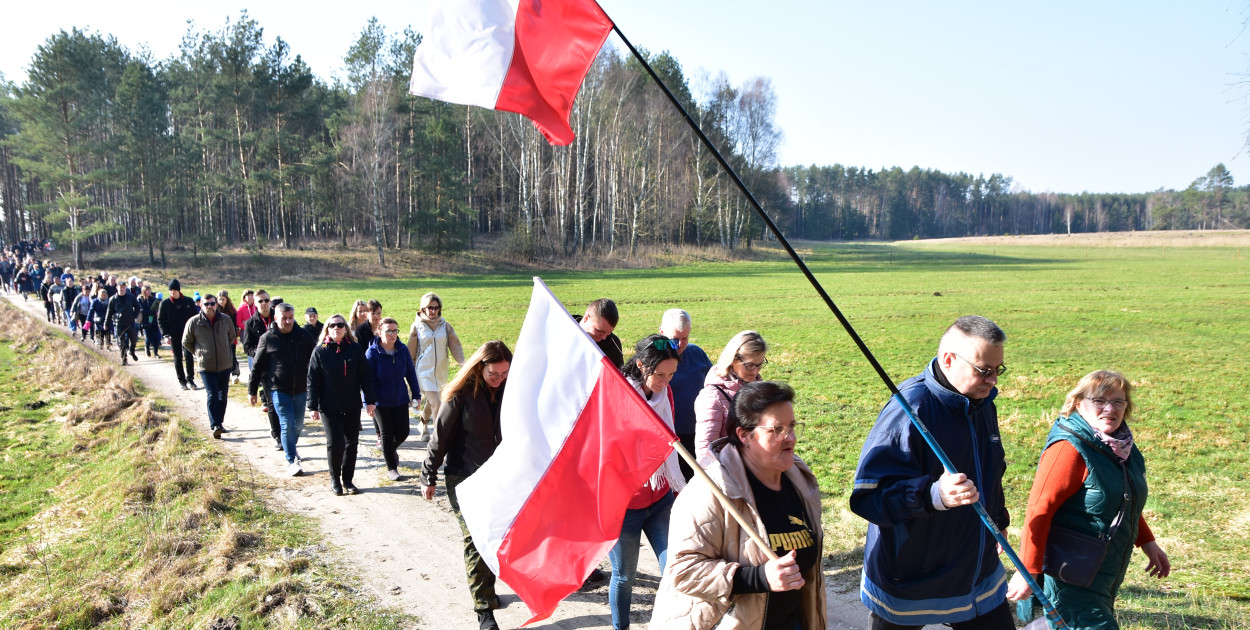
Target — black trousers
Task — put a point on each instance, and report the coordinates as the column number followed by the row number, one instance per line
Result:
column 393, row 424
column 998, row 619
column 342, row 436
column 183, row 362
column 126, row 340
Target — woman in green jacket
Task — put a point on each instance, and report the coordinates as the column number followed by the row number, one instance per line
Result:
column 1090, row 472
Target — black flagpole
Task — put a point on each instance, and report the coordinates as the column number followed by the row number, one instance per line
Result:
column 1049, row 609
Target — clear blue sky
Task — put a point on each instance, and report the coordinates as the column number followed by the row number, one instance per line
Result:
column 1062, row 96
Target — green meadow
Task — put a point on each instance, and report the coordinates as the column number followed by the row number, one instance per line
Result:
column 1175, row 319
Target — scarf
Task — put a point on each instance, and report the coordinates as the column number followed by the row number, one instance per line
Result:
column 432, row 323
column 670, row 470
column 1120, row 441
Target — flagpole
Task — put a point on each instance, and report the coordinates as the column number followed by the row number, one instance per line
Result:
column 724, row 500
column 1049, row 609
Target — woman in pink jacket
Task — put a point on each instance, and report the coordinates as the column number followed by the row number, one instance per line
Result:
column 740, row 362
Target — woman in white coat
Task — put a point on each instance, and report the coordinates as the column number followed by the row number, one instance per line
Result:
column 432, row 342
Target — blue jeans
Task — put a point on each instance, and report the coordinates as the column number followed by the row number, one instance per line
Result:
column 290, row 410
column 216, row 384
column 624, row 556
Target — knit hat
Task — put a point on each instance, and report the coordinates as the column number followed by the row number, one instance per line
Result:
column 174, row 285
column 197, row 296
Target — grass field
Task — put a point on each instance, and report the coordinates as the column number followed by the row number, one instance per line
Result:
column 1174, row 315
column 114, row 514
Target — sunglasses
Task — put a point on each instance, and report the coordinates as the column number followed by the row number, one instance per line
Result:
column 660, row 344
column 210, row 304
column 262, row 301
column 336, row 325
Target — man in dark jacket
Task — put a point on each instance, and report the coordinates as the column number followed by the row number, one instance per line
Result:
column 255, row 326
column 69, row 295
column 281, row 363
column 599, row 321
column 123, row 313
column 928, row 558
column 172, row 317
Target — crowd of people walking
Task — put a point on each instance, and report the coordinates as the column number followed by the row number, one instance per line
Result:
column 927, row 558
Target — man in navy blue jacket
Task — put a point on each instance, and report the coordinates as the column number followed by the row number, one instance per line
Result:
column 928, row 558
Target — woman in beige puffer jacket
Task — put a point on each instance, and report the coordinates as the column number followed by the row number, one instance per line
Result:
column 707, row 547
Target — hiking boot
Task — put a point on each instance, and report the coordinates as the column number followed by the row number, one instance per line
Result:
column 486, row 620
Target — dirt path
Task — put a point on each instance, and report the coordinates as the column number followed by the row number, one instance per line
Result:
column 406, row 552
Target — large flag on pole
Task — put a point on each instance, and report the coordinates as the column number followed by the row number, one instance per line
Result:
column 523, row 56
column 578, row 442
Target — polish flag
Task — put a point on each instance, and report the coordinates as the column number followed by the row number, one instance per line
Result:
column 578, row 442
column 523, row 56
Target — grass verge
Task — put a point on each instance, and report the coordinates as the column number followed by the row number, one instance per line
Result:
column 116, row 514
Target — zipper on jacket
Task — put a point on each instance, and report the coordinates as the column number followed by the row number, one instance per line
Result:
column 976, row 461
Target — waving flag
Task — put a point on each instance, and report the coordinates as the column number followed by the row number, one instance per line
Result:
column 522, row 56
column 578, row 442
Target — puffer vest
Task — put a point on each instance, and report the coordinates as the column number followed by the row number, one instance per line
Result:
column 1092, row 509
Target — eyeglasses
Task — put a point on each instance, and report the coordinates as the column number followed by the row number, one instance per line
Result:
column 660, row 344
column 390, row 331
column 336, row 325
column 262, row 301
column 985, row 372
column 783, row 431
column 1102, row 403
column 751, row 366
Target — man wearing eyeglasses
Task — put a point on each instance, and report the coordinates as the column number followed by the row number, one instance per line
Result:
column 210, row 337
column 257, row 325
column 928, row 559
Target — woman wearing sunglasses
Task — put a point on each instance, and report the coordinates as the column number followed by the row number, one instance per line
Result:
column 650, row 369
column 338, row 379
column 740, row 362
column 716, row 573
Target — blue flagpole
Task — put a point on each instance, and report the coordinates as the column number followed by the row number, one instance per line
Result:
column 1051, row 613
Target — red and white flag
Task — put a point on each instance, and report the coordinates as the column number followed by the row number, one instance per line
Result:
column 523, row 56
column 578, row 442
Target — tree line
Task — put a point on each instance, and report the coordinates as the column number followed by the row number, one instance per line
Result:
column 234, row 141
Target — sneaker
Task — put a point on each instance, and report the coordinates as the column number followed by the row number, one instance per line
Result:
column 336, row 488
column 264, row 409
column 379, row 443
column 184, row 387
column 393, row 474
column 157, row 355
column 486, row 620
column 217, row 431
column 277, row 445
column 192, row 385
column 294, row 469
column 351, row 489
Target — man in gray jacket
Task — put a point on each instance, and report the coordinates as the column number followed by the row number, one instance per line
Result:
column 210, row 337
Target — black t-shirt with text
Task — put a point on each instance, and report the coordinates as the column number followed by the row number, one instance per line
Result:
column 786, row 522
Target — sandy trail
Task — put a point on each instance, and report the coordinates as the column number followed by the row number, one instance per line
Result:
column 404, row 551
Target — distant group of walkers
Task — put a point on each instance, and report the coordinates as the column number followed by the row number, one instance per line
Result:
column 928, row 559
